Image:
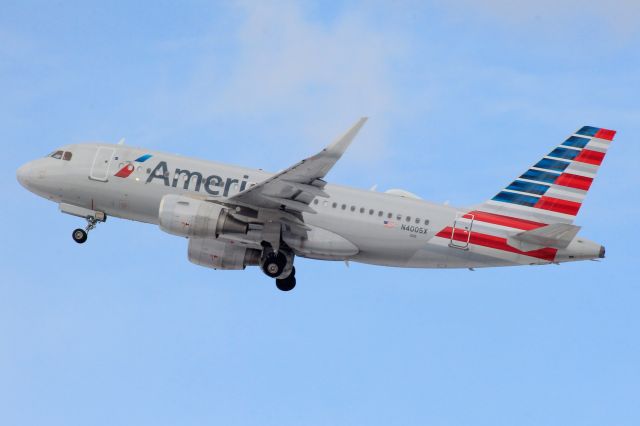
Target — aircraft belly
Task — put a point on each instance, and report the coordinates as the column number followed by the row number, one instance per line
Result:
column 375, row 243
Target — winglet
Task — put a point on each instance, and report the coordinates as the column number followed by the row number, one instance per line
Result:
column 340, row 146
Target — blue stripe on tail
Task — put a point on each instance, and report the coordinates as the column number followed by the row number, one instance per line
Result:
column 512, row 197
column 540, row 176
column 532, row 188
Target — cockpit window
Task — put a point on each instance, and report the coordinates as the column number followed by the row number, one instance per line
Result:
column 67, row 156
column 57, row 155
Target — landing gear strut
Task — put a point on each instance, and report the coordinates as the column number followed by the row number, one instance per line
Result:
column 80, row 235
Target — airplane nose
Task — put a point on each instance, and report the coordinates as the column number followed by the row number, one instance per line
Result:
column 23, row 174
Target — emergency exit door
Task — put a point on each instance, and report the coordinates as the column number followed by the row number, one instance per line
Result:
column 461, row 231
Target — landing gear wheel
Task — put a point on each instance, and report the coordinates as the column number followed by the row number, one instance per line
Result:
column 274, row 264
column 286, row 284
column 79, row 236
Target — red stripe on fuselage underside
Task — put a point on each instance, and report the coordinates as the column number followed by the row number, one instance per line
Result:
column 590, row 157
column 497, row 243
column 574, row 181
column 508, row 221
column 605, row 134
column 558, row 205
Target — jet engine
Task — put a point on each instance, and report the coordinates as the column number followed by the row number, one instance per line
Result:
column 218, row 255
column 189, row 217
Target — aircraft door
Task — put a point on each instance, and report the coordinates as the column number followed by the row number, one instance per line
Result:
column 101, row 162
column 461, row 231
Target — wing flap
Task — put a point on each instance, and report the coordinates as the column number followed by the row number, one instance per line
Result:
column 289, row 203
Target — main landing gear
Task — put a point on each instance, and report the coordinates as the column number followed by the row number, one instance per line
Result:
column 287, row 284
column 280, row 266
column 80, row 235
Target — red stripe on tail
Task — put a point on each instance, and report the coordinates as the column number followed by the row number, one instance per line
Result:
column 508, row 221
column 558, row 205
column 605, row 134
column 574, row 181
column 590, row 157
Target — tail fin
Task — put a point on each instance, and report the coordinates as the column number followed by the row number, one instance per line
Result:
column 553, row 189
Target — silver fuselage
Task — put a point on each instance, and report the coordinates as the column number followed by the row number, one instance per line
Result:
column 411, row 237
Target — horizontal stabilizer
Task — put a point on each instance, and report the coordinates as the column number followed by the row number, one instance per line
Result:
column 558, row 235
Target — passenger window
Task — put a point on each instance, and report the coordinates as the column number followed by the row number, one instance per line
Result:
column 408, row 219
column 353, row 208
column 390, row 215
column 57, row 155
column 334, row 205
column 426, row 221
column 67, row 156
column 399, row 216
column 315, row 201
column 380, row 213
column 417, row 220
column 344, row 207
column 361, row 209
column 371, row 211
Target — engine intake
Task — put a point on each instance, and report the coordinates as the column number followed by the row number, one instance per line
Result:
column 188, row 217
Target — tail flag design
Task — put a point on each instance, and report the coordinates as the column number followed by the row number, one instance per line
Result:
column 553, row 189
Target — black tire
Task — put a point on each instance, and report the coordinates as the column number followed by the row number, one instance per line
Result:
column 79, row 235
column 274, row 264
column 286, row 284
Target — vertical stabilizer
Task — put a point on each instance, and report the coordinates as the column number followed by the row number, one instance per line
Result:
column 553, row 189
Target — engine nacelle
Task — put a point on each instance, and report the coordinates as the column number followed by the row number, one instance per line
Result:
column 188, row 217
column 218, row 255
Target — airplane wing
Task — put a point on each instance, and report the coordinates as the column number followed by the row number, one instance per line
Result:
column 294, row 188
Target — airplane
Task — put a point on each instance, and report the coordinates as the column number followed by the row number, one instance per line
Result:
column 234, row 217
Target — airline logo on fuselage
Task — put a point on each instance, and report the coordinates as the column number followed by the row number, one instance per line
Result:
column 194, row 181
column 128, row 168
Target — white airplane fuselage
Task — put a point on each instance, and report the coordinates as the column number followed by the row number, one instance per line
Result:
column 385, row 229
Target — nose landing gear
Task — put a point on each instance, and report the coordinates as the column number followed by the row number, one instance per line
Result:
column 80, row 235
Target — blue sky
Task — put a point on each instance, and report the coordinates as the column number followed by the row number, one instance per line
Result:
column 461, row 98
